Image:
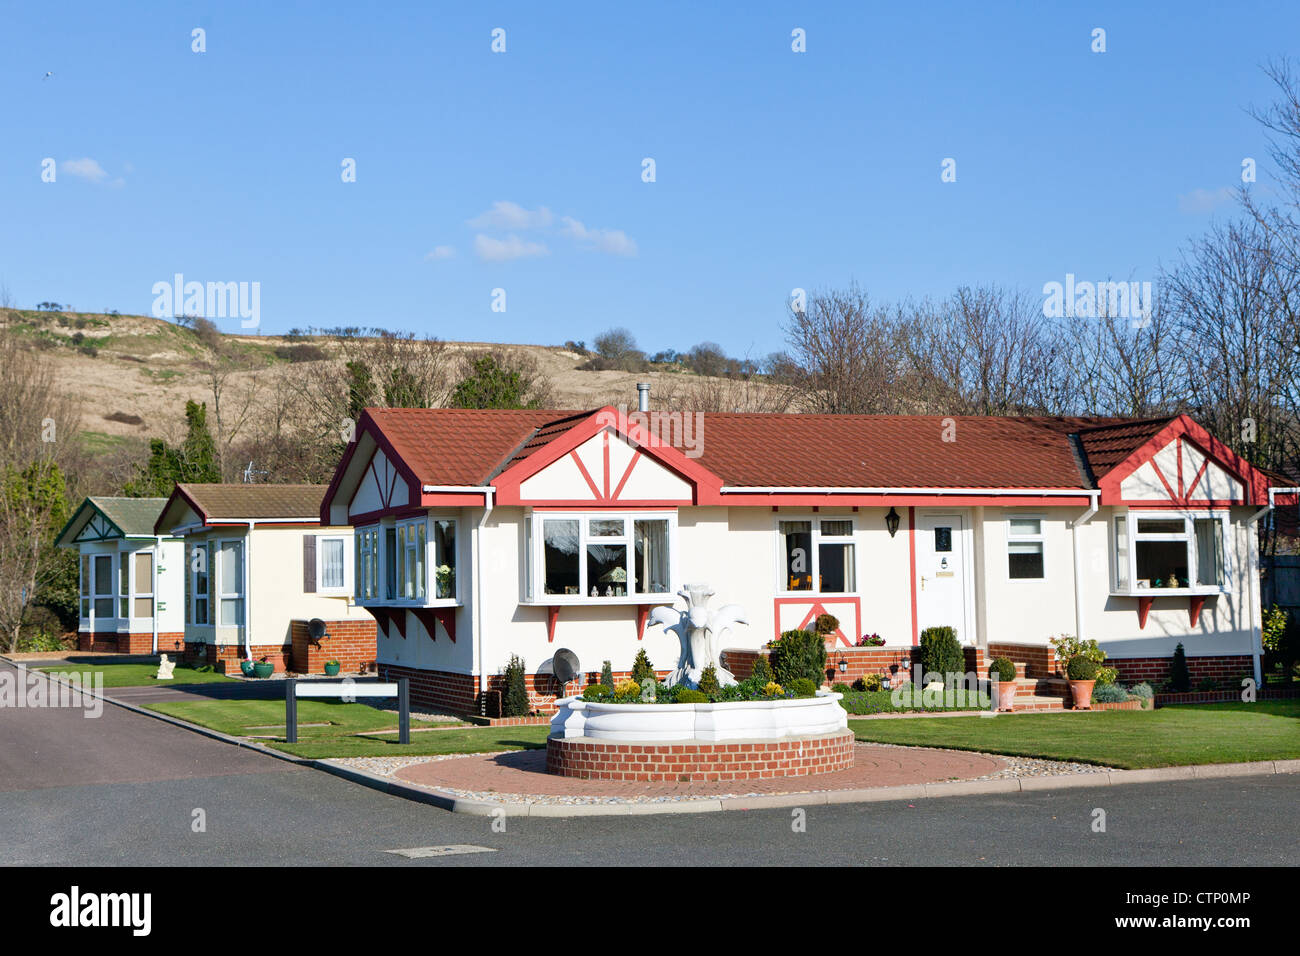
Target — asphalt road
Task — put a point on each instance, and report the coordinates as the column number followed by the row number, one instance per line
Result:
column 125, row 788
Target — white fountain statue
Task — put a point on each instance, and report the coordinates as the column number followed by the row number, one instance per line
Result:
column 700, row 632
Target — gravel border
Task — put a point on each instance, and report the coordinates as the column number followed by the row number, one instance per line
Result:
column 1016, row 768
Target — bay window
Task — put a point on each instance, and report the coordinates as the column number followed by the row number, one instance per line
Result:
column 1170, row 551
column 200, row 606
column 367, row 564
column 230, row 579
column 600, row 557
column 103, row 585
column 817, row 555
column 411, row 560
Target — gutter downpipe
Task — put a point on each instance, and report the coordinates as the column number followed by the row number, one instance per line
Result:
column 1095, row 497
column 157, row 555
column 488, row 492
column 248, row 592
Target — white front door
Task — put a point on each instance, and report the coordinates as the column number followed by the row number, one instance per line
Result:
column 941, row 574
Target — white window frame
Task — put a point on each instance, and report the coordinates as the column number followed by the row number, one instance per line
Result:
column 535, row 573
column 366, row 574
column 223, row 593
column 1189, row 517
column 815, row 558
column 136, row 593
column 205, row 598
column 96, row 594
column 375, row 536
column 408, row 548
column 1039, row 539
column 341, row 590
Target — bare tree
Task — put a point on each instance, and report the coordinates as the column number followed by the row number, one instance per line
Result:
column 849, row 353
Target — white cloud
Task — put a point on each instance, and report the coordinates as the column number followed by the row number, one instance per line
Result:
column 613, row 241
column 86, row 168
column 503, row 250
column 509, row 215
column 1204, row 200
column 440, row 252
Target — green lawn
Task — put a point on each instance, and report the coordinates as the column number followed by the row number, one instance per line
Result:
column 265, row 718
column 137, row 675
column 1170, row 736
column 243, row 718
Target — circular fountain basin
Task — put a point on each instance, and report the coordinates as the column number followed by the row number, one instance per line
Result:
column 686, row 742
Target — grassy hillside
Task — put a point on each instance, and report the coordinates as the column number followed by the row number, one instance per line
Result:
column 131, row 375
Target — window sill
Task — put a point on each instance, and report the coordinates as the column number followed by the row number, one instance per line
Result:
column 832, row 595
column 550, row 600
column 403, row 604
column 1204, row 590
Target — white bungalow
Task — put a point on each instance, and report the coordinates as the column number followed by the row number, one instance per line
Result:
column 482, row 534
column 260, row 565
column 131, row 581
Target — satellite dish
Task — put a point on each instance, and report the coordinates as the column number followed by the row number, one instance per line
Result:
column 564, row 667
column 315, row 630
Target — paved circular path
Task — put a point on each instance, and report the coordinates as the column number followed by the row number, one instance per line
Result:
column 524, row 773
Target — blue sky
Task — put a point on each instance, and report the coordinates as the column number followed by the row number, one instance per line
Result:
column 522, row 170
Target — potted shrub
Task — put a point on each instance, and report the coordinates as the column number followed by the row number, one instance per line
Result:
column 942, row 658
column 246, row 668
column 1082, row 672
column 331, row 668
column 1003, row 670
column 264, row 668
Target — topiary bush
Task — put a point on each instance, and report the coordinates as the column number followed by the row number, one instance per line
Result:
column 641, row 667
column 688, row 696
column 1004, row 668
column 762, row 670
column 1180, row 678
column 802, row 687
column 1109, row 694
column 799, row 654
column 941, row 654
column 1081, row 668
column 826, row 625
column 607, row 675
column 708, row 683
column 514, row 702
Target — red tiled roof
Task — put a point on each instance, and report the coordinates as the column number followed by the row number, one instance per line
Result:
column 465, row 446
column 470, row 446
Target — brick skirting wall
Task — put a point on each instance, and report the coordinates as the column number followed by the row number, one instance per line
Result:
column 1155, row 670
column 459, row 693
column 1031, row 660
column 351, row 643
column 859, row 661
column 225, row 658
column 589, row 759
column 133, row 643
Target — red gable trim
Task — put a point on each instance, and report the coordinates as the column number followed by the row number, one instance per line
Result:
column 705, row 483
column 368, row 426
column 1254, row 483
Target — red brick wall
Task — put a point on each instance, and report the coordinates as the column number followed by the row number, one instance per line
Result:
column 1031, row 660
column 1155, row 670
column 590, row 759
column 134, row 643
column 226, row 657
column 351, row 643
column 459, row 693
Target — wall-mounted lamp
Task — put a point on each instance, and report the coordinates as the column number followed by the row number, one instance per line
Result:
column 891, row 522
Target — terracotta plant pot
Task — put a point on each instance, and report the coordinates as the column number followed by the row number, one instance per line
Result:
column 1081, row 691
column 1006, row 695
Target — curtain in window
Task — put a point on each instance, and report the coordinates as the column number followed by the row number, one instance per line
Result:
column 331, row 562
